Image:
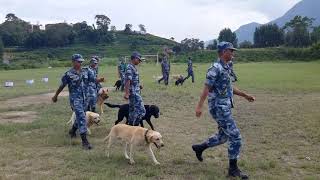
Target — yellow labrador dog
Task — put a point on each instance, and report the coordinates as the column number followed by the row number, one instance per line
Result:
column 91, row 118
column 102, row 96
column 135, row 135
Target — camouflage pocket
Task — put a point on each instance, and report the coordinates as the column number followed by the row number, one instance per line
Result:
column 224, row 111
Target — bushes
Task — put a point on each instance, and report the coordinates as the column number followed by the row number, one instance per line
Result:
column 257, row 55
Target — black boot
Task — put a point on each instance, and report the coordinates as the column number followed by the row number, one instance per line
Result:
column 93, row 109
column 198, row 149
column 234, row 171
column 85, row 143
column 72, row 132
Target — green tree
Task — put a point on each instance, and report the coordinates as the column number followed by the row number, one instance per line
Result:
column 268, row 35
column 128, row 28
column 142, row 28
column 102, row 22
column 14, row 31
column 36, row 39
column 191, row 44
column 213, row 46
column 297, row 31
column 113, row 28
column 245, row 44
column 1, row 49
column 315, row 35
column 229, row 36
column 59, row 34
column 11, row 17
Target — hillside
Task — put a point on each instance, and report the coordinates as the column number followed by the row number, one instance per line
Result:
column 124, row 45
column 309, row 8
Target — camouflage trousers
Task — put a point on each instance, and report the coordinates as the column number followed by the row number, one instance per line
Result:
column 79, row 106
column 122, row 81
column 227, row 131
column 92, row 99
column 136, row 109
column 165, row 77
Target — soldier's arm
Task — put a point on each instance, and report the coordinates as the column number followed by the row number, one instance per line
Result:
column 128, row 79
column 126, row 89
column 64, row 81
column 203, row 97
column 237, row 91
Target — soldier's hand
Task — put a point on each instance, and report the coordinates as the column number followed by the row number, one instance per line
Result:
column 126, row 96
column 198, row 111
column 54, row 99
column 250, row 98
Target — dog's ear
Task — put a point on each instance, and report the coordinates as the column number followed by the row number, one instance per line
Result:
column 150, row 137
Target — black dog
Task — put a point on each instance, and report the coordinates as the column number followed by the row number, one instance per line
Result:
column 151, row 110
column 117, row 85
column 180, row 80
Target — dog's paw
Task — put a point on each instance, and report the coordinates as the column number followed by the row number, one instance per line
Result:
column 156, row 163
column 131, row 162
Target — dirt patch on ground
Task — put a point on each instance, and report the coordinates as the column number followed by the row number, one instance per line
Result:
column 17, row 117
column 30, row 100
column 24, row 116
column 27, row 116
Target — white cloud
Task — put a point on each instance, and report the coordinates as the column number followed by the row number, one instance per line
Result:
column 168, row 18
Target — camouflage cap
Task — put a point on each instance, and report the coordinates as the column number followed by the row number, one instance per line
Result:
column 135, row 54
column 225, row 45
column 94, row 61
column 77, row 57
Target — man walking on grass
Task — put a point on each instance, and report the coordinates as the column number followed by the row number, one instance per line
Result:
column 220, row 92
column 133, row 91
column 77, row 79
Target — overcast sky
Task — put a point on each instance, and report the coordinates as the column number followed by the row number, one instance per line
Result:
column 180, row 19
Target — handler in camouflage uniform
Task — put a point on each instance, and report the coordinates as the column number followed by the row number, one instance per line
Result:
column 165, row 69
column 132, row 91
column 122, row 72
column 97, row 58
column 190, row 70
column 77, row 79
column 93, row 86
column 220, row 92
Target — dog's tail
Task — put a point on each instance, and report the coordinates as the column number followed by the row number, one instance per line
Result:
column 112, row 105
column 73, row 117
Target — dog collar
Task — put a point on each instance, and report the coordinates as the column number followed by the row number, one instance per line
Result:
column 145, row 135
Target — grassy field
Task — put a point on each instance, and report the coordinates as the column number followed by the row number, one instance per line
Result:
column 280, row 130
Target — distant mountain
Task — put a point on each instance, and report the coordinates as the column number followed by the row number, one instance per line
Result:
column 245, row 32
column 309, row 8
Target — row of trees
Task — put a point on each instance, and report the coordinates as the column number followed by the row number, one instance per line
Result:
column 298, row 32
column 17, row 32
column 224, row 35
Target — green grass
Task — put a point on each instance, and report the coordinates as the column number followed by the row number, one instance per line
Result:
column 279, row 130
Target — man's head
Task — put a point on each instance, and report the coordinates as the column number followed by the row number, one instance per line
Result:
column 96, row 57
column 121, row 60
column 225, row 51
column 135, row 58
column 93, row 62
column 77, row 60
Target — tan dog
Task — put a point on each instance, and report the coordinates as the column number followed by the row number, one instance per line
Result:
column 135, row 135
column 102, row 96
column 91, row 118
column 175, row 76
